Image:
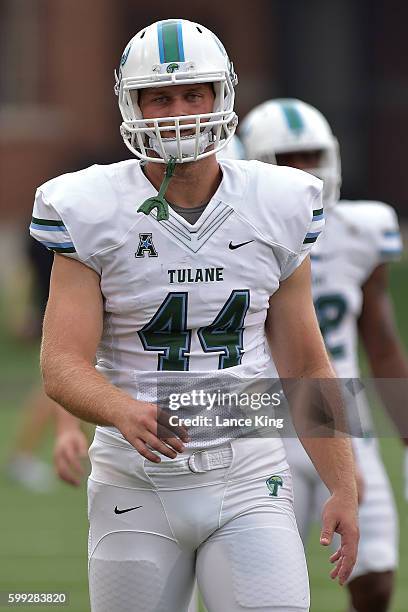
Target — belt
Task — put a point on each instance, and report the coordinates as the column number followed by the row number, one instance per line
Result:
column 198, row 462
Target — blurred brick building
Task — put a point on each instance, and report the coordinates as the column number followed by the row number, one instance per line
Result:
column 58, row 111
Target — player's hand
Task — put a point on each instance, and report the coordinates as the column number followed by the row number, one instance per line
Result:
column 71, row 447
column 406, row 473
column 147, row 427
column 340, row 516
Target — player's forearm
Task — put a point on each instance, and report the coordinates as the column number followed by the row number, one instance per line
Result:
column 333, row 459
column 316, row 402
column 392, row 363
column 75, row 384
column 390, row 369
column 319, row 416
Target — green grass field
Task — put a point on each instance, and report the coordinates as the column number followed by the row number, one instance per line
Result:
column 43, row 537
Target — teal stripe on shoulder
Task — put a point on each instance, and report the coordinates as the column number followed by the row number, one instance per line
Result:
column 48, row 222
column 310, row 239
column 396, row 251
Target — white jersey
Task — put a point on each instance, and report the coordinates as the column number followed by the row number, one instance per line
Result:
column 358, row 237
column 182, row 298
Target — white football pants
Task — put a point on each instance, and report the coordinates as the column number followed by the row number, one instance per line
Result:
column 211, row 515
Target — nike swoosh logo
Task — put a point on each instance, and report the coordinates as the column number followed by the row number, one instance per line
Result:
column 126, row 509
column 236, row 246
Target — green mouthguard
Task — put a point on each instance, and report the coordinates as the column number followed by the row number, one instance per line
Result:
column 160, row 201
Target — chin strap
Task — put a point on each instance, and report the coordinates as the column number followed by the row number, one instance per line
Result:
column 159, row 201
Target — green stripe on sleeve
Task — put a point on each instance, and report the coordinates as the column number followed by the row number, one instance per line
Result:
column 47, row 222
column 63, row 249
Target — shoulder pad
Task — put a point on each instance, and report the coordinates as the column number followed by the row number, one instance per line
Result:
column 379, row 222
column 93, row 205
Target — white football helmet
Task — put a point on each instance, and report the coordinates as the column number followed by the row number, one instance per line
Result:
column 176, row 52
column 290, row 126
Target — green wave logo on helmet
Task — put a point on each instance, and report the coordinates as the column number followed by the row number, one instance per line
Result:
column 273, row 483
column 172, row 68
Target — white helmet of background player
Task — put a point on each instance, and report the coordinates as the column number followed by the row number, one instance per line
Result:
column 176, row 52
column 290, row 126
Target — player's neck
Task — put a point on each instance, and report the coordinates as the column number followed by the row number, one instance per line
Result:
column 193, row 183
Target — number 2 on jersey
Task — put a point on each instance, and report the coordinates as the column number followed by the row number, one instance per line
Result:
column 330, row 310
column 167, row 333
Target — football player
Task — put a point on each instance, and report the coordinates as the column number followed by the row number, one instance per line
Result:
column 351, row 297
column 71, row 443
column 172, row 291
